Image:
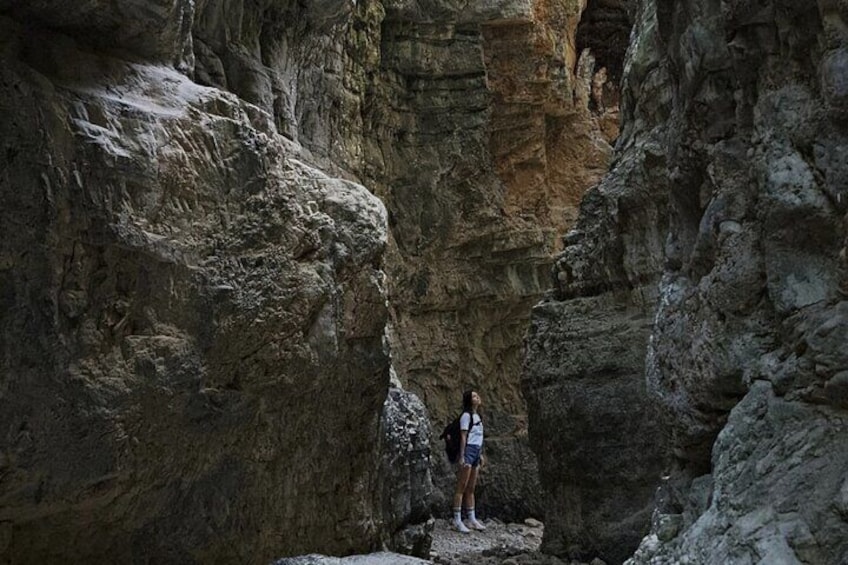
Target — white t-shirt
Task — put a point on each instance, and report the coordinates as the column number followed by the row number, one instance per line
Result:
column 475, row 436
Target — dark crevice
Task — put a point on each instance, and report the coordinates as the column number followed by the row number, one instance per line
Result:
column 605, row 30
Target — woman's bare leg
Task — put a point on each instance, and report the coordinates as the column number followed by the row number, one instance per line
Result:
column 468, row 491
column 470, row 500
column 461, row 484
column 462, row 476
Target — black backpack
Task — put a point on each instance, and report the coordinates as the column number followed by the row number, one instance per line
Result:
column 452, row 437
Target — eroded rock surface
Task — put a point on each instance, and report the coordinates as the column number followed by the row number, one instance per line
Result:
column 482, row 146
column 470, row 121
column 407, row 487
column 192, row 315
column 592, row 423
column 383, row 558
column 192, row 269
column 733, row 115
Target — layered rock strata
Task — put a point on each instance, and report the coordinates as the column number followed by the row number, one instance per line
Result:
column 483, row 149
column 468, row 120
column 734, row 116
column 191, row 271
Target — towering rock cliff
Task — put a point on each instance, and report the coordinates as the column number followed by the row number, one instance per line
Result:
column 471, row 123
column 482, row 144
column 193, row 352
column 194, row 267
column 715, row 251
column 592, row 423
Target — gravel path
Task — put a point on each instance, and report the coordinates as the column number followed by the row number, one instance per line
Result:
column 500, row 544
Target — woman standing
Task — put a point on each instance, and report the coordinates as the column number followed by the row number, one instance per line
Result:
column 470, row 460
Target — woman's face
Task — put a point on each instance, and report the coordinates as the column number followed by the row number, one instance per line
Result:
column 475, row 399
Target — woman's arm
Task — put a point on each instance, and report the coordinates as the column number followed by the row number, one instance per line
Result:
column 463, row 438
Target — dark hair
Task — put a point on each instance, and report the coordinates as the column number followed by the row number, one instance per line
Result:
column 467, row 406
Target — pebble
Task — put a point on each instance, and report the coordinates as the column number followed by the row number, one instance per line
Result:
column 533, row 523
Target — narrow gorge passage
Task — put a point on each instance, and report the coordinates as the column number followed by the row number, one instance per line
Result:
column 252, row 253
column 222, row 218
column 486, row 143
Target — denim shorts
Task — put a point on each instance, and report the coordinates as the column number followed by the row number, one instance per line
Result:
column 472, row 455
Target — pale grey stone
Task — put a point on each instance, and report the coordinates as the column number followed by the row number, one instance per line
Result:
column 382, row 558
column 407, row 486
column 669, row 526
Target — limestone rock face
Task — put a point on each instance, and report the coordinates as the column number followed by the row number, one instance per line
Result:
column 469, row 121
column 482, row 147
column 734, row 116
column 405, row 474
column 749, row 343
column 193, row 358
column 193, row 278
column 592, row 422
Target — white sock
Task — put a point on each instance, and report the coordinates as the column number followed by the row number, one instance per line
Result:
column 472, row 519
column 457, row 521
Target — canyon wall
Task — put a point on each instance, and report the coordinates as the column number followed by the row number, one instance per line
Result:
column 194, row 268
column 472, row 124
column 714, row 255
column 593, row 425
column 482, row 146
column 193, row 313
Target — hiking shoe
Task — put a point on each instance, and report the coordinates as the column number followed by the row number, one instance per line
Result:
column 459, row 526
column 477, row 525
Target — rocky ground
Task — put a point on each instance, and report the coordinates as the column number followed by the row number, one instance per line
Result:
column 500, row 544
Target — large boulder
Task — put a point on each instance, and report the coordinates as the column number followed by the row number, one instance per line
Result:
column 407, row 487
column 193, row 358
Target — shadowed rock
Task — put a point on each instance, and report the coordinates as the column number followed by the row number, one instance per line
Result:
column 732, row 116
column 193, row 360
